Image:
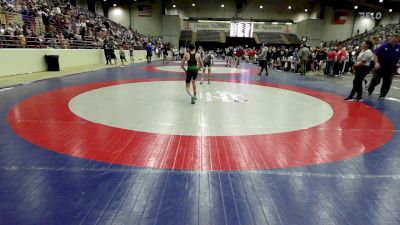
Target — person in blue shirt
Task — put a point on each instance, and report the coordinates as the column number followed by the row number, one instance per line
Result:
column 386, row 58
column 149, row 50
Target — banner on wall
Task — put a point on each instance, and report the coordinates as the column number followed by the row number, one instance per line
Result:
column 340, row 17
column 209, row 26
column 281, row 28
column 258, row 27
column 144, row 10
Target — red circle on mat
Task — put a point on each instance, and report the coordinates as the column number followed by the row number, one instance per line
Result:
column 46, row 120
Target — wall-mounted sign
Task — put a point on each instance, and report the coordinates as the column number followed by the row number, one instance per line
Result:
column 209, row 26
column 372, row 15
column 340, row 17
column 257, row 27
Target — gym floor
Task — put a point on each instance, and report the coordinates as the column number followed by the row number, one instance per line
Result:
column 124, row 145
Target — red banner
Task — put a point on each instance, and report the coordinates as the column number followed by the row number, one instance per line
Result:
column 340, row 17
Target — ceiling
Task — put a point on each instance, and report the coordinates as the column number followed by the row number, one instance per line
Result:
column 337, row 4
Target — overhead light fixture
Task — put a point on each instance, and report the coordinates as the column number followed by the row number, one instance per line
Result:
column 356, row 7
column 380, row 1
column 390, row 10
column 289, row 7
column 105, row 0
column 193, row 4
column 115, row 5
column 174, row 6
column 275, row 23
column 289, row 23
column 261, row 6
column 222, row 5
column 306, row 10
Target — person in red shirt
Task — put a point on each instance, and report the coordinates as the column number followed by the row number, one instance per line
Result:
column 342, row 58
column 330, row 62
column 239, row 56
column 251, row 53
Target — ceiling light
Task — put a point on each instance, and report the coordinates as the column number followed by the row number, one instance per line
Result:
column 261, row 6
column 193, row 4
column 222, row 5
column 306, row 10
column 356, row 7
column 289, row 7
column 275, row 23
column 115, row 5
column 390, row 10
column 174, row 6
column 380, row 1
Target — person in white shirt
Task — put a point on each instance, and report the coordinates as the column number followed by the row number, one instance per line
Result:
column 361, row 69
column 132, row 54
column 263, row 60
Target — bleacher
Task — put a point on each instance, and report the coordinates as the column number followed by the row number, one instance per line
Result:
column 382, row 31
column 208, row 36
column 186, row 35
column 270, row 37
column 292, row 38
column 57, row 24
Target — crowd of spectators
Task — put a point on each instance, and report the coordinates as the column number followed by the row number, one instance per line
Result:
column 381, row 31
column 58, row 24
column 331, row 58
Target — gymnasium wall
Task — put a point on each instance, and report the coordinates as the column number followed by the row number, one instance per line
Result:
column 334, row 31
column 147, row 24
column 82, row 3
column 171, row 29
column 99, row 8
column 363, row 23
column 119, row 14
column 329, row 30
column 390, row 18
column 150, row 24
column 312, row 30
column 22, row 61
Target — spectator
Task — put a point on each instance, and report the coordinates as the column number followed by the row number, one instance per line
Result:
column 386, row 58
column 361, row 69
column 304, row 55
column 331, row 61
column 149, row 50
